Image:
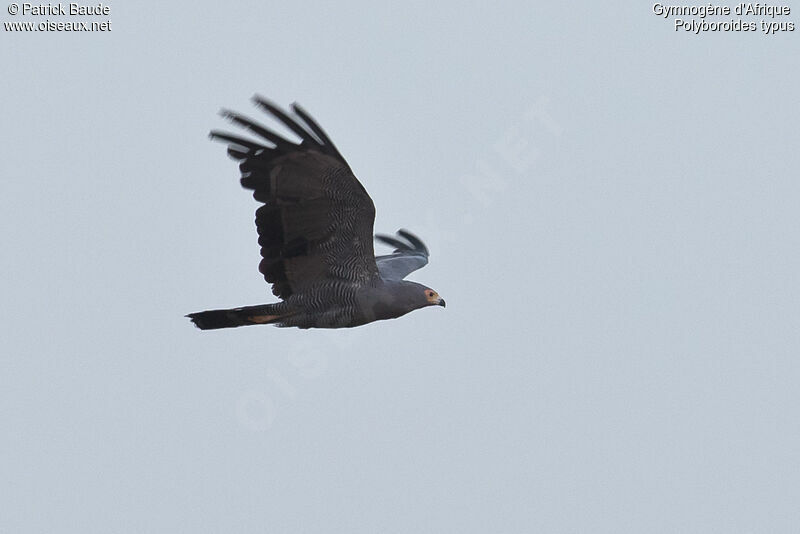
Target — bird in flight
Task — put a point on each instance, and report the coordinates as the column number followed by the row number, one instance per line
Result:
column 315, row 232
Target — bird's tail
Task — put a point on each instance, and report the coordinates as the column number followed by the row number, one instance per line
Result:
column 262, row 314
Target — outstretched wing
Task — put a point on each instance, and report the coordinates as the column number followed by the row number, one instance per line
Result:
column 316, row 222
column 410, row 254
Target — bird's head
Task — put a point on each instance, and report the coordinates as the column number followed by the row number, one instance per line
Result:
column 432, row 298
column 398, row 297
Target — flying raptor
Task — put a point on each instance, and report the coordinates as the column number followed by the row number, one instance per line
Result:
column 315, row 233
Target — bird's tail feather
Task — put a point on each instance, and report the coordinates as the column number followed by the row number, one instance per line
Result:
column 262, row 314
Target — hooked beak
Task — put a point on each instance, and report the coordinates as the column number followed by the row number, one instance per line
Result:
column 441, row 302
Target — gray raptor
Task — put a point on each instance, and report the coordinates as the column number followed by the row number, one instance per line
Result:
column 315, row 233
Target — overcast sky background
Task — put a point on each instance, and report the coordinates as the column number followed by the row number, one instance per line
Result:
column 612, row 211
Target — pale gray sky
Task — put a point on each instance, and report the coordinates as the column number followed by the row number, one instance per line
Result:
column 612, row 211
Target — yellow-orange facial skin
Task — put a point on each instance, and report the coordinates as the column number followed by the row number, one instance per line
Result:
column 433, row 298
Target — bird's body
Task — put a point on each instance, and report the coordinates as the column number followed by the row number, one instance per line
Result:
column 315, row 232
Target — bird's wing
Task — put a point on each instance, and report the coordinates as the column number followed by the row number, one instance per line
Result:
column 410, row 254
column 316, row 222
